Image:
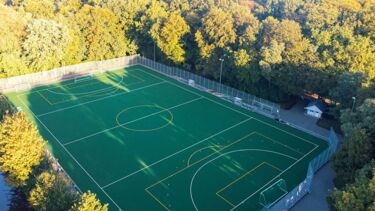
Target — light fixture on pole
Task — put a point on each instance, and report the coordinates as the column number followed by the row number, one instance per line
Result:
column 221, row 68
column 354, row 99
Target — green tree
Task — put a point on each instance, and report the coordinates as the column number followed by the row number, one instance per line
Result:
column 21, row 148
column 88, row 202
column 359, row 195
column 45, row 44
column 356, row 151
column 363, row 117
column 347, row 87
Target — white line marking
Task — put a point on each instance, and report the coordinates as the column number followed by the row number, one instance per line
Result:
column 175, row 84
column 69, row 80
column 99, row 99
column 241, row 150
column 135, row 120
column 70, row 154
column 169, row 156
column 243, row 201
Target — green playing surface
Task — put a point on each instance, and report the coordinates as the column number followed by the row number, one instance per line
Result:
column 143, row 141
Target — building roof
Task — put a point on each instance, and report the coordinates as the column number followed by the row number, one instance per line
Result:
column 317, row 103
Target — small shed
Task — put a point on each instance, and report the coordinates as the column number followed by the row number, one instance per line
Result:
column 315, row 109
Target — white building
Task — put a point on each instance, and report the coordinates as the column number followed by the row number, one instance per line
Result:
column 315, row 109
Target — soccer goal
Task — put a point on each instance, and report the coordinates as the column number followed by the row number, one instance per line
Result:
column 84, row 77
column 273, row 193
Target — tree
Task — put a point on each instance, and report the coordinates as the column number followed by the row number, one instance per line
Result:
column 38, row 195
column 52, row 191
column 168, row 37
column 104, row 37
column 217, row 31
column 359, row 195
column 76, row 47
column 45, row 44
column 21, row 148
column 40, row 8
column 12, row 30
column 358, row 149
column 88, row 202
column 363, row 117
column 347, row 87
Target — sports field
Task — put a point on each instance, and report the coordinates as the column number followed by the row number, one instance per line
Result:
column 143, row 141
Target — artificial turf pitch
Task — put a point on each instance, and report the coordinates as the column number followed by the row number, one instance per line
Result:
column 143, row 141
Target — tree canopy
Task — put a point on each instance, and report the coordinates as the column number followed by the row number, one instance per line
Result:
column 21, row 148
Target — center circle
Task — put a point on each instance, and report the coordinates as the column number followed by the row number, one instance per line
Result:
column 148, row 118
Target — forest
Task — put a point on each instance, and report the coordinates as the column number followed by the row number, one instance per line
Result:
column 275, row 49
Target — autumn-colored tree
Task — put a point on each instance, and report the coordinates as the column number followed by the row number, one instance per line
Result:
column 40, row 8
column 21, row 148
column 104, row 37
column 168, row 37
column 12, row 30
column 89, row 202
column 217, row 31
column 45, row 44
column 52, row 191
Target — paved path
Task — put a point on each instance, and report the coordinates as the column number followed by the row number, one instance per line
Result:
column 323, row 179
column 321, row 188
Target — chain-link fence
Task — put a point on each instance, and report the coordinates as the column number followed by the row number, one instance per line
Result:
column 238, row 97
column 243, row 99
column 25, row 82
column 304, row 187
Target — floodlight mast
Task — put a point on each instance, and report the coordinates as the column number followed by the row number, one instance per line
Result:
column 221, row 68
column 354, row 99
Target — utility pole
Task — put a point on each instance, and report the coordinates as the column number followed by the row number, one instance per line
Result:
column 354, row 99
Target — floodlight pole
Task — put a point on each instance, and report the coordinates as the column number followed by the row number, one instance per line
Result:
column 221, row 68
column 154, row 52
column 354, row 99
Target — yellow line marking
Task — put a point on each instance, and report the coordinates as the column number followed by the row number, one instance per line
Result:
column 189, row 166
column 154, row 197
column 226, row 200
column 274, row 167
column 239, row 178
column 218, row 193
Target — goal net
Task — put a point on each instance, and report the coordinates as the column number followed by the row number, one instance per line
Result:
column 83, row 77
column 273, row 193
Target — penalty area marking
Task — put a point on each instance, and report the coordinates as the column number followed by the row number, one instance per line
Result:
column 99, row 99
column 242, row 150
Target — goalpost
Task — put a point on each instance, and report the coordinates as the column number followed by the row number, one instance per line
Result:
column 273, row 193
column 84, row 77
